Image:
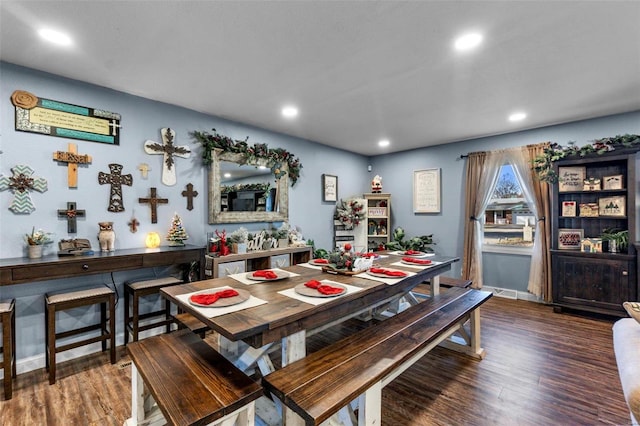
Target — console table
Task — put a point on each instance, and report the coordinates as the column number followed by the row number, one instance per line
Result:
column 24, row 270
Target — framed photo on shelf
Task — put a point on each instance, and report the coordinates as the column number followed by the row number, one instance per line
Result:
column 568, row 209
column 612, row 206
column 571, row 178
column 612, row 182
column 569, row 239
column 329, row 188
column 588, row 209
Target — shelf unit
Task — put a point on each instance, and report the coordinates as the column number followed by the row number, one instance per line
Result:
column 221, row 266
column 378, row 220
column 594, row 282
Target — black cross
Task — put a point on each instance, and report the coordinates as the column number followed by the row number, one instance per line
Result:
column 190, row 194
column 116, row 179
column 153, row 200
column 71, row 213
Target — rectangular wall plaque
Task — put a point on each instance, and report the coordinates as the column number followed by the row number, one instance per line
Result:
column 54, row 118
column 426, row 191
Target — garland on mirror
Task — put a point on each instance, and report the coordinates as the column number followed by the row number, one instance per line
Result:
column 259, row 151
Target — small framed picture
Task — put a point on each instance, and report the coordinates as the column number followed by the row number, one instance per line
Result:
column 329, row 188
column 612, row 182
column 569, row 239
column 588, row 209
column 571, row 178
column 569, row 208
column 612, row 206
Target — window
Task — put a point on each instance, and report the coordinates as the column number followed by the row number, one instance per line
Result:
column 509, row 223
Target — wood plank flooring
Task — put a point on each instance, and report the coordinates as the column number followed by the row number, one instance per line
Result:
column 541, row 368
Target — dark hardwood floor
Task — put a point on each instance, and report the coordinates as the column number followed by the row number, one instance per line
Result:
column 541, row 368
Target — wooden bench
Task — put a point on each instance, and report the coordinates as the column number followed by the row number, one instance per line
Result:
column 359, row 366
column 178, row 379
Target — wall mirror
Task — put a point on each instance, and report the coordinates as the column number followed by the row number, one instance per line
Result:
column 244, row 197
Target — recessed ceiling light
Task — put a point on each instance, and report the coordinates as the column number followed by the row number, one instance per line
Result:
column 517, row 116
column 55, row 37
column 468, row 41
column 384, row 142
column 290, row 112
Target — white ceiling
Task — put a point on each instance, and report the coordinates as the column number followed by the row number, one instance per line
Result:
column 358, row 71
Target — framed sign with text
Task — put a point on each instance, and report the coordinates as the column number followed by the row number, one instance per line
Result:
column 426, row 191
column 329, row 188
column 54, row 118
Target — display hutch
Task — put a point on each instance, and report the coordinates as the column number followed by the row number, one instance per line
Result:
column 378, row 220
column 594, row 193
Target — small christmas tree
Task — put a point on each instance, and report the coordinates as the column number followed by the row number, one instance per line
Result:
column 177, row 234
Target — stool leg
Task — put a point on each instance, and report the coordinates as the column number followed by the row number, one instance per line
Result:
column 13, row 343
column 103, row 324
column 51, row 343
column 112, row 328
column 126, row 314
column 135, row 317
column 167, row 313
column 7, row 354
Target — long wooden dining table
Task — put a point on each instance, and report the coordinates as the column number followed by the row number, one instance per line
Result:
column 286, row 320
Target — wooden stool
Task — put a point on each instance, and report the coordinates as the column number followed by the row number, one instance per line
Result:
column 63, row 301
column 8, row 349
column 133, row 291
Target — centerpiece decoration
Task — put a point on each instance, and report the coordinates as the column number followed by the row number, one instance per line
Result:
column 238, row 240
column 274, row 158
column 346, row 262
column 35, row 242
column 349, row 213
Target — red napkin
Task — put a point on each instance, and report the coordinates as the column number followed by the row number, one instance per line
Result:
column 369, row 254
column 388, row 272
column 418, row 261
column 323, row 288
column 268, row 274
column 320, row 261
column 410, row 252
column 211, row 298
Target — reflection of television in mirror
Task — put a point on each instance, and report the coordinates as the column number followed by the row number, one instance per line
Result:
column 243, row 201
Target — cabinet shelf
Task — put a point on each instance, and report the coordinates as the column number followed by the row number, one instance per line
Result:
column 379, row 223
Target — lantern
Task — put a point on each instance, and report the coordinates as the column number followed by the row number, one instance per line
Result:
column 152, row 240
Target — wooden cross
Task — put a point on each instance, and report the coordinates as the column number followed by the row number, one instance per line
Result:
column 133, row 225
column 168, row 149
column 144, row 169
column 20, row 183
column 71, row 213
column 153, row 200
column 190, row 194
column 72, row 158
column 116, row 179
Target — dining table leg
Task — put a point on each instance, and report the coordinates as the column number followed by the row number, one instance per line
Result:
column 294, row 347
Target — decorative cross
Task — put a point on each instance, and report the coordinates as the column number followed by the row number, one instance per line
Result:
column 190, row 194
column 168, row 149
column 144, row 169
column 20, row 184
column 71, row 213
column 116, row 179
column 133, row 225
column 114, row 125
column 153, row 200
column 72, row 158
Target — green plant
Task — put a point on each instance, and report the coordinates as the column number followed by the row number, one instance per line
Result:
column 619, row 238
column 421, row 243
column 38, row 238
column 239, row 236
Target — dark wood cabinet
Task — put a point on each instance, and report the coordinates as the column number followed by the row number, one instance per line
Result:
column 594, row 281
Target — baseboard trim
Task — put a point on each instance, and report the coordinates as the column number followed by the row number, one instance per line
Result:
column 508, row 293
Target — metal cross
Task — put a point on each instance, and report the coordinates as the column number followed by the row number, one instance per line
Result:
column 71, row 213
column 72, row 158
column 153, row 200
column 116, row 179
column 168, row 149
column 190, row 194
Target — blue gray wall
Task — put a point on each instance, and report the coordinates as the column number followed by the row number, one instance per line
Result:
column 142, row 119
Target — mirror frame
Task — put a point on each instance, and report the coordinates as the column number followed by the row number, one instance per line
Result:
column 216, row 215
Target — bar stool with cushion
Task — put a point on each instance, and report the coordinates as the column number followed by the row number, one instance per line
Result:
column 56, row 302
column 8, row 349
column 133, row 292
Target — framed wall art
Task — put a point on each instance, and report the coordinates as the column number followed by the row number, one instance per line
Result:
column 612, row 206
column 569, row 239
column 426, row 191
column 571, row 178
column 329, row 188
column 569, row 208
column 612, row 182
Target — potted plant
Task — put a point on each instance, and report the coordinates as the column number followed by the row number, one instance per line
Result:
column 238, row 240
column 421, row 243
column 36, row 241
column 618, row 241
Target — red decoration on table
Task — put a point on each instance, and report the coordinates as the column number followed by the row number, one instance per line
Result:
column 388, row 272
column 320, row 261
column 412, row 252
column 323, row 288
column 416, row 261
column 268, row 274
column 369, row 254
column 211, row 298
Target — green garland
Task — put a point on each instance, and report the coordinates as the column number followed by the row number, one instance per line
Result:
column 274, row 157
column 245, row 187
column 543, row 164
